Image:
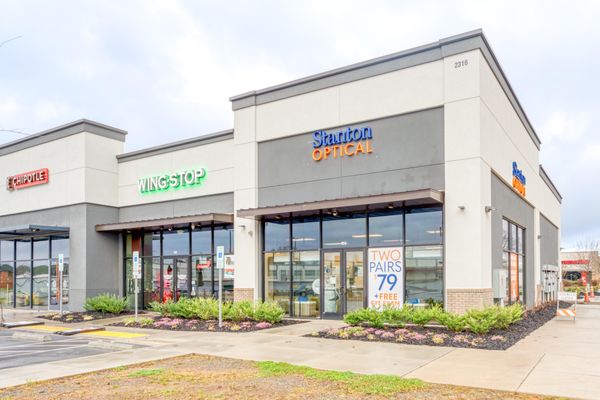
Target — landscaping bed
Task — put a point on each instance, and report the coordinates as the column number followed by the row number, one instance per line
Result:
column 432, row 335
column 181, row 324
column 81, row 316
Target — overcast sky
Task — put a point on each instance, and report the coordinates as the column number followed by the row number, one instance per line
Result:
column 164, row 70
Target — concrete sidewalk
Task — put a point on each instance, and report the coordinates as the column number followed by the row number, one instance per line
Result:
column 558, row 359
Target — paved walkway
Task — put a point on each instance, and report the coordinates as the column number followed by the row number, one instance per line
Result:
column 558, row 359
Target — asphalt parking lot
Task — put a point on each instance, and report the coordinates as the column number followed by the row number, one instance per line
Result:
column 22, row 351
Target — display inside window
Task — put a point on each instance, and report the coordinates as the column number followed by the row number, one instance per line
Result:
column 508, row 279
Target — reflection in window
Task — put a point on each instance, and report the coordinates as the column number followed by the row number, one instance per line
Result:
column 344, row 230
column 277, row 279
column 6, row 282
column 508, row 280
column 7, row 250
column 202, row 281
column 306, row 266
column 424, row 275
column 224, row 237
column 385, row 228
column 424, row 226
column 201, row 240
column 176, row 242
column 305, row 233
column 277, row 235
column 151, row 244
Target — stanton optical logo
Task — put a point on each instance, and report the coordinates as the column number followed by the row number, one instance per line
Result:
column 343, row 143
column 518, row 180
column 176, row 180
column 27, row 179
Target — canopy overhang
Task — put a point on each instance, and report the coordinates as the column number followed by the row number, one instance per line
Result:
column 166, row 223
column 401, row 199
column 30, row 231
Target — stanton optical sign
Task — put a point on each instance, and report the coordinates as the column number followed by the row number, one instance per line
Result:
column 28, row 179
column 343, row 143
column 518, row 180
column 173, row 181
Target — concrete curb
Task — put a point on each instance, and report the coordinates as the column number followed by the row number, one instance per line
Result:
column 39, row 337
column 108, row 345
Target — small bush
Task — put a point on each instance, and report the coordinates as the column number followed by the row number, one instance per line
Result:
column 367, row 316
column 454, row 322
column 481, row 321
column 268, row 312
column 240, row 311
column 422, row 316
column 106, row 303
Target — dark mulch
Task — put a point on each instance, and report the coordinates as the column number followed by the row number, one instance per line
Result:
column 496, row 339
column 81, row 316
column 180, row 324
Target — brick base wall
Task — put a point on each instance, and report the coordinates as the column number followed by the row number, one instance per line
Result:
column 461, row 300
column 240, row 294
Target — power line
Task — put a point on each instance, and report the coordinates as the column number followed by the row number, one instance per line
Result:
column 10, row 40
column 15, row 131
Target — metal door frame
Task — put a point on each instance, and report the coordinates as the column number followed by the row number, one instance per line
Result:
column 343, row 277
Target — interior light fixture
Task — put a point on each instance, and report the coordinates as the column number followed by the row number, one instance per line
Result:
column 303, row 239
column 392, row 240
column 335, row 244
column 371, row 235
column 435, row 232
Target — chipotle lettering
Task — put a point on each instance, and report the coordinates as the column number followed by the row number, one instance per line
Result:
column 27, row 179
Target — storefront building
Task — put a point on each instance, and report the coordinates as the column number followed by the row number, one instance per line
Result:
column 411, row 178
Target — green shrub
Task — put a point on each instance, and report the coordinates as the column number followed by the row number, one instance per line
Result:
column 397, row 316
column 481, row 321
column 422, row 316
column 506, row 316
column 366, row 316
column 106, row 303
column 240, row 311
column 268, row 312
column 454, row 322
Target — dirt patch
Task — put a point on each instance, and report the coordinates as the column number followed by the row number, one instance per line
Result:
column 180, row 324
column 82, row 316
column 206, row 377
column 496, row 339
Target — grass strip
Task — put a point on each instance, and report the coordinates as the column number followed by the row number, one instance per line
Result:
column 366, row 384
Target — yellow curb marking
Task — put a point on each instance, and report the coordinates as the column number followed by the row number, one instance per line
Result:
column 122, row 335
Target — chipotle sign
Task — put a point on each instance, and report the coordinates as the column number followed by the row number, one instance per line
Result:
column 27, row 179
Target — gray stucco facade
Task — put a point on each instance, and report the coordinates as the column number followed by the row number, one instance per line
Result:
column 549, row 243
column 94, row 259
column 408, row 154
column 508, row 205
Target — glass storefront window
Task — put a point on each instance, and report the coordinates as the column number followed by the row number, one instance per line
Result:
column 424, row 226
column 385, row 228
column 202, row 281
column 23, row 249
column 6, row 282
column 55, row 288
column 7, row 250
column 60, row 245
column 305, row 233
column 176, row 242
column 508, row 282
column 224, row 237
column 346, row 230
column 23, row 283
column 201, row 240
column 41, row 249
column 151, row 243
column 277, row 235
column 306, row 287
column 424, row 275
column 277, row 279
column 40, row 283
column 151, row 274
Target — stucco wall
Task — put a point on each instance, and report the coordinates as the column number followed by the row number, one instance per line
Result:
column 407, row 154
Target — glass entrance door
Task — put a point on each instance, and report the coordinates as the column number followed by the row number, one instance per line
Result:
column 175, row 278
column 343, row 282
